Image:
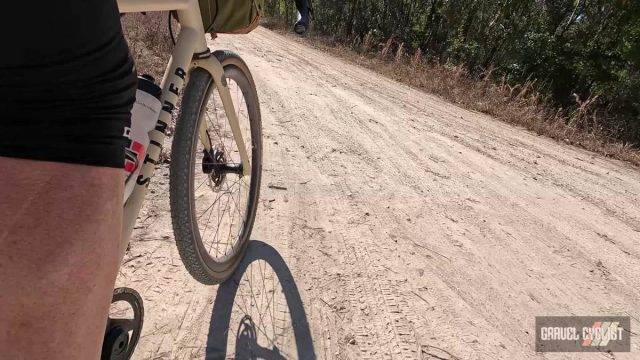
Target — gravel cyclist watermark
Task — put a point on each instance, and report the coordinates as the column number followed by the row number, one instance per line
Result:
column 583, row 334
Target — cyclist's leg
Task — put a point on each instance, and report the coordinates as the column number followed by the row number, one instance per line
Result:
column 60, row 227
column 64, row 104
column 303, row 7
column 302, row 24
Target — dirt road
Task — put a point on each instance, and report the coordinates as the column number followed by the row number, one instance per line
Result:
column 394, row 225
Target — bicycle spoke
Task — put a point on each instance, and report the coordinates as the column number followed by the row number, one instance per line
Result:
column 210, row 206
column 219, row 221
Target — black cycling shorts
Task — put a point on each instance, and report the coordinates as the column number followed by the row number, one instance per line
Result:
column 67, row 82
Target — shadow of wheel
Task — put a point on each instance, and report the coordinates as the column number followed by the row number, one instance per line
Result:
column 247, row 346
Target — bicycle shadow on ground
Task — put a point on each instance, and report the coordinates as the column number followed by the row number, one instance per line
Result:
column 258, row 312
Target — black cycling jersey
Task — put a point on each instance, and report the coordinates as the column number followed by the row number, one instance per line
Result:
column 67, row 82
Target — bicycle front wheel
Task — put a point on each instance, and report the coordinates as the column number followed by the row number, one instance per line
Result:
column 213, row 205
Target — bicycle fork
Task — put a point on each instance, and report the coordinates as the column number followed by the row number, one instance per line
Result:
column 214, row 67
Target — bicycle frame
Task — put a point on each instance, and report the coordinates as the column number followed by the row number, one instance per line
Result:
column 189, row 52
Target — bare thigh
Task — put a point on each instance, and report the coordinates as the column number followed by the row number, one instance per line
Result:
column 60, row 229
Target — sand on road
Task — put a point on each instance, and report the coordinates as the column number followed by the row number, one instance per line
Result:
column 396, row 226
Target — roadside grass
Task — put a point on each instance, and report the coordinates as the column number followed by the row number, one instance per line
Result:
column 516, row 104
column 149, row 41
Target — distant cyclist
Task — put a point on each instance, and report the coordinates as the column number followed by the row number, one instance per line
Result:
column 304, row 17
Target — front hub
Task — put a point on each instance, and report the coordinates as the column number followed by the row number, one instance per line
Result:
column 213, row 164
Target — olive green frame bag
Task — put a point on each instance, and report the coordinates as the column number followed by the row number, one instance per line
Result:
column 230, row 16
